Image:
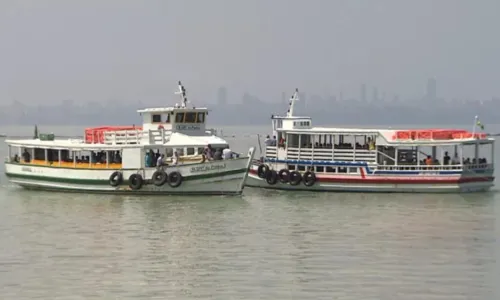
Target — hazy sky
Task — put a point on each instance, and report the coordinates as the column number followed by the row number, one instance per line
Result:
column 137, row 49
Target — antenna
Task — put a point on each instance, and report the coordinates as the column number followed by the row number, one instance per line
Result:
column 182, row 92
column 295, row 97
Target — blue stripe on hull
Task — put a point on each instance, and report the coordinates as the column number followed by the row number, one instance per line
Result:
column 362, row 165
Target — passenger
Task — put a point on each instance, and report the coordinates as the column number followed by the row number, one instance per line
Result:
column 16, row 158
column 160, row 162
column 175, row 158
column 268, row 142
column 273, row 141
column 149, row 160
column 26, row 156
column 208, row 152
column 455, row 160
column 218, row 154
column 428, row 160
column 227, row 153
column 446, row 158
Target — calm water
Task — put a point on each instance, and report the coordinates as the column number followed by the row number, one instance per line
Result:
column 263, row 245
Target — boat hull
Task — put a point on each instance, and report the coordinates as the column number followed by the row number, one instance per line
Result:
column 225, row 177
column 458, row 183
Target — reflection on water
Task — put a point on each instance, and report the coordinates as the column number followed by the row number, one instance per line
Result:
column 266, row 243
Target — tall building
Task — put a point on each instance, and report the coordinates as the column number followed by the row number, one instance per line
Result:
column 222, row 96
column 362, row 95
column 431, row 92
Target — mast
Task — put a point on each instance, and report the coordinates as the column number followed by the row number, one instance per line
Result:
column 182, row 93
column 295, row 97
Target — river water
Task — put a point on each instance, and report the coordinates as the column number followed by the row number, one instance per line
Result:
column 262, row 245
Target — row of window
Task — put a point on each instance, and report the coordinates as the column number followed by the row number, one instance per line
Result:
column 302, row 123
column 322, row 169
column 181, row 117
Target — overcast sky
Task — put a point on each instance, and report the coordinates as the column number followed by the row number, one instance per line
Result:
column 137, row 49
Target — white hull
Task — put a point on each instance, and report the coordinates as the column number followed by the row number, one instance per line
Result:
column 254, row 180
column 225, row 177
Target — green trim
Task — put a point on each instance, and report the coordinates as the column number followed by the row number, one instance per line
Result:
column 111, row 169
column 106, row 181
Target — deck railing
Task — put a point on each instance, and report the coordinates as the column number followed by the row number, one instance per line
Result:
column 369, row 156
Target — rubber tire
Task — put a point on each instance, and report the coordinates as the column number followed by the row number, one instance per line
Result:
column 272, row 177
column 116, row 179
column 295, row 178
column 284, row 175
column 159, row 178
column 135, row 181
column 262, row 171
column 309, row 178
column 174, row 179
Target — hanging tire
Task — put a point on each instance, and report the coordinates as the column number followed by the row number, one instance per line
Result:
column 309, row 178
column 284, row 175
column 272, row 177
column 135, row 181
column 174, row 179
column 295, row 178
column 159, row 178
column 116, row 179
column 262, row 171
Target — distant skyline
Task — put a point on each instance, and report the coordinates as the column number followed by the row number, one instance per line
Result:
column 128, row 50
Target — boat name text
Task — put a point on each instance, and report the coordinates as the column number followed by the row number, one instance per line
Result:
column 205, row 168
column 187, row 127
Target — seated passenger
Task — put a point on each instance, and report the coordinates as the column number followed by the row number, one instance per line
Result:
column 227, row 153
column 26, row 156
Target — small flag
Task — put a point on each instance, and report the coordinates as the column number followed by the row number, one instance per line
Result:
column 480, row 125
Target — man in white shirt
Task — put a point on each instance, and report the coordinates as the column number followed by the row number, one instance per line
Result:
column 160, row 161
column 268, row 142
column 175, row 158
column 227, row 153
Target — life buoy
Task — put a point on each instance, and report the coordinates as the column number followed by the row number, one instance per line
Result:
column 116, row 178
column 159, row 178
column 262, row 171
column 309, row 178
column 284, row 175
column 135, row 181
column 174, row 179
column 272, row 177
column 160, row 127
column 295, row 178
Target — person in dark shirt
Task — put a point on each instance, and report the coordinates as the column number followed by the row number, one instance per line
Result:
column 446, row 159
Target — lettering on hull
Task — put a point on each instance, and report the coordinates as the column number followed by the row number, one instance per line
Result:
column 216, row 167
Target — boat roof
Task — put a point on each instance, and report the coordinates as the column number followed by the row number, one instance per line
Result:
column 387, row 134
column 176, row 140
column 171, row 109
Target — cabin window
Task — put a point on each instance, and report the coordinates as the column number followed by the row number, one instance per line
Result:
column 180, row 151
column 179, row 117
column 291, row 167
column 353, row 170
column 167, row 120
column 190, row 151
column 190, row 117
column 320, row 169
column 156, row 118
column 200, row 150
column 169, row 152
column 301, row 168
column 331, row 170
column 342, row 170
column 201, row 118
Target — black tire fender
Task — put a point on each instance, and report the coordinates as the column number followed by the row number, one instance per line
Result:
column 262, row 171
column 116, row 178
column 295, row 178
column 159, row 178
column 284, row 175
column 174, row 179
column 135, row 181
column 309, row 178
column 272, row 177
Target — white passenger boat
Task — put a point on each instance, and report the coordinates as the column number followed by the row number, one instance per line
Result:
column 122, row 159
column 302, row 157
